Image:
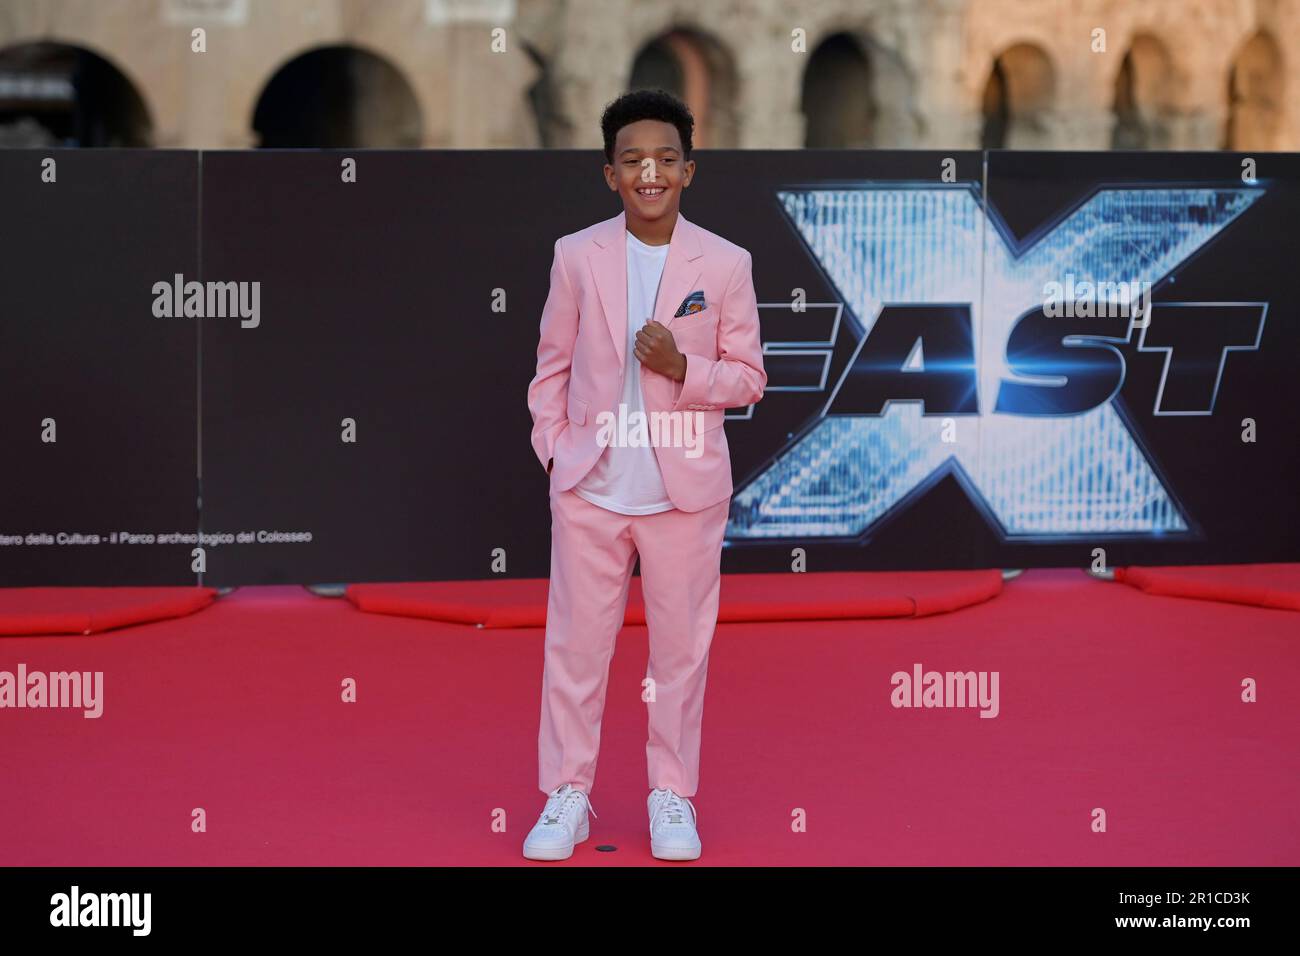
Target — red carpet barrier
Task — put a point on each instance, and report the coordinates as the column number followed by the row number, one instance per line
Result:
column 745, row 597
column 1263, row 585
column 25, row 611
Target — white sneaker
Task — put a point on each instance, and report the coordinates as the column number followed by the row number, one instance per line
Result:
column 562, row 824
column 672, row 826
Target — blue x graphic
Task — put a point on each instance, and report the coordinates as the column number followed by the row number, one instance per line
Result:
column 1034, row 477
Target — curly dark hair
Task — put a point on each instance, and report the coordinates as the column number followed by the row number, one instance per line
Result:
column 646, row 104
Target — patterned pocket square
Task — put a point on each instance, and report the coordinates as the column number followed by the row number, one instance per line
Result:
column 692, row 303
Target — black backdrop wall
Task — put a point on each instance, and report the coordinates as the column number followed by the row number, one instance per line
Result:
column 923, row 411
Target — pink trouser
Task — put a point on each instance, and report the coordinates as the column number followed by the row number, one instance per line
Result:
column 593, row 552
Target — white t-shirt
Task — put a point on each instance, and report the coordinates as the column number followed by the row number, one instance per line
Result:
column 626, row 478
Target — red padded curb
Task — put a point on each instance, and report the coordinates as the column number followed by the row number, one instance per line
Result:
column 1263, row 585
column 521, row 602
column 28, row 611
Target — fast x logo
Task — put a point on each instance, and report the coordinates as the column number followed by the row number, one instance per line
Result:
column 958, row 367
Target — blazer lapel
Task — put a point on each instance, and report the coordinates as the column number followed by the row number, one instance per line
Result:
column 681, row 275
column 609, row 269
column 682, row 270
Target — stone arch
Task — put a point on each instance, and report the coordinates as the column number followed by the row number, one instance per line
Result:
column 1019, row 98
column 543, row 104
column 55, row 93
column 836, row 96
column 1255, row 88
column 337, row 96
column 857, row 93
column 1145, row 96
column 699, row 70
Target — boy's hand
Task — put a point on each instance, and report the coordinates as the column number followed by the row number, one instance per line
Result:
column 656, row 349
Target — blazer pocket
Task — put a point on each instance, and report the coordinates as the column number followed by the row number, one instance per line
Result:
column 694, row 319
column 577, row 410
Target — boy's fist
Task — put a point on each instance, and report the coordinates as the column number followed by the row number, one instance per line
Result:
column 657, row 349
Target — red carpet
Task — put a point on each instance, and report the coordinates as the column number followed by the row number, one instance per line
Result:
column 90, row 610
column 1108, row 698
column 1263, row 585
column 745, row 597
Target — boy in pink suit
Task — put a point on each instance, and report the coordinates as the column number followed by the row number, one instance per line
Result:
column 649, row 332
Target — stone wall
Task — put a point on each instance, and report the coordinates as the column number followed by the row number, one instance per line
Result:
column 1083, row 74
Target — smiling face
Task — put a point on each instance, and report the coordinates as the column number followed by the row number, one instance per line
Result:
column 651, row 191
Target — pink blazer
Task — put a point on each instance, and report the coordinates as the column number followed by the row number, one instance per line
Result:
column 581, row 354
